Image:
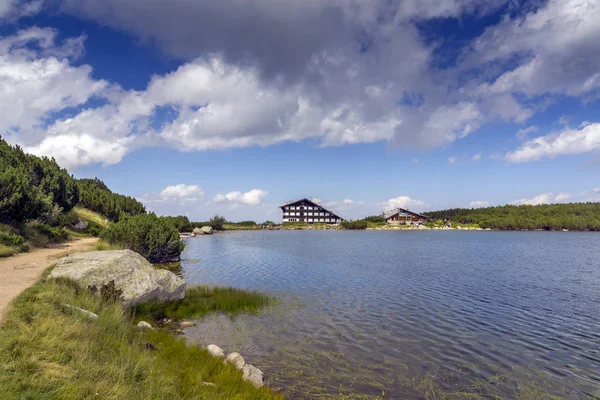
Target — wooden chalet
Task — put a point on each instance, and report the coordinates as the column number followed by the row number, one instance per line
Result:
column 400, row 216
column 308, row 212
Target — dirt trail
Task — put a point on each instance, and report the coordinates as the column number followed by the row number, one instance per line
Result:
column 19, row 272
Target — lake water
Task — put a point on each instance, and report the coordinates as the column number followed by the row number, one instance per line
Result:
column 411, row 315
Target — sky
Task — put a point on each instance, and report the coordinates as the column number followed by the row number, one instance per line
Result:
column 230, row 107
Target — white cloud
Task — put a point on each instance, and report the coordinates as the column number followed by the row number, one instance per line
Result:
column 451, row 160
column 352, row 202
column 543, row 198
column 477, row 157
column 14, row 9
column 253, row 197
column 555, row 47
column 479, row 204
column 522, row 133
column 402, row 202
column 316, row 200
column 181, row 191
column 567, row 142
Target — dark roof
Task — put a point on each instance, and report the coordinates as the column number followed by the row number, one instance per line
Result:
column 397, row 210
column 289, row 203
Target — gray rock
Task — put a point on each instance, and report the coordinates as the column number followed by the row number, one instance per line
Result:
column 207, row 230
column 81, row 226
column 87, row 314
column 215, row 351
column 143, row 325
column 253, row 375
column 138, row 280
column 236, row 360
column 197, row 231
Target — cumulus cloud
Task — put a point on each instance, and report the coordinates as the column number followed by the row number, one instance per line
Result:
column 522, row 133
column 402, row 202
column 544, row 43
column 479, row 204
column 451, row 160
column 352, row 202
column 359, row 72
column 543, row 198
column 180, row 193
column 567, row 142
column 254, row 197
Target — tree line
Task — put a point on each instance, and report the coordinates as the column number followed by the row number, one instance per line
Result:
column 571, row 216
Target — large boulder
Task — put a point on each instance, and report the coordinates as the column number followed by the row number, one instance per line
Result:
column 207, row 230
column 135, row 277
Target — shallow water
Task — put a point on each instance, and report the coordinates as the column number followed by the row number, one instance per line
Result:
column 416, row 314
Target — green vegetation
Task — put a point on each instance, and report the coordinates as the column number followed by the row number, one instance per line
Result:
column 33, row 187
column 153, row 237
column 217, row 222
column 355, row 224
column 96, row 196
column 201, row 300
column 573, row 216
column 181, row 223
column 48, row 353
column 375, row 219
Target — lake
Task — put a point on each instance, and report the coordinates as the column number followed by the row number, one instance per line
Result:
column 411, row 314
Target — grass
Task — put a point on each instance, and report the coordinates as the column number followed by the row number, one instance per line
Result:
column 238, row 227
column 201, row 300
column 87, row 216
column 7, row 251
column 46, row 353
column 102, row 245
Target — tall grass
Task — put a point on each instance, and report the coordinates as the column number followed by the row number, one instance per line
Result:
column 46, row 353
column 201, row 300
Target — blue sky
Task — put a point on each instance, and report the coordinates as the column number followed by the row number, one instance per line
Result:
column 198, row 107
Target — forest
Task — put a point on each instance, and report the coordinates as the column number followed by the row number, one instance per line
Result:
column 571, row 216
column 40, row 204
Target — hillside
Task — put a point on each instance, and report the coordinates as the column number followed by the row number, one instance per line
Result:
column 41, row 204
column 572, row 216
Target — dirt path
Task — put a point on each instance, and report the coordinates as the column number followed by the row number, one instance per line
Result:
column 19, row 272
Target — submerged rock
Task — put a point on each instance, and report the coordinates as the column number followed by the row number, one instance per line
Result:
column 143, row 325
column 253, row 375
column 135, row 279
column 236, row 360
column 215, row 351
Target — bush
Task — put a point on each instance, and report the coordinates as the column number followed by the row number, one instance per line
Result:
column 217, row 222
column 374, row 218
column 154, row 238
column 354, row 224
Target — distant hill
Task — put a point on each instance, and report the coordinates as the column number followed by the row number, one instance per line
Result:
column 572, row 216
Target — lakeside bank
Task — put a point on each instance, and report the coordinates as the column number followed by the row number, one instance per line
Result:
column 48, row 349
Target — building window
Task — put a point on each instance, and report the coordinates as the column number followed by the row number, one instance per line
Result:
column 292, row 208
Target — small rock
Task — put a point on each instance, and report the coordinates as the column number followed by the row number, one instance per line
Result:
column 150, row 346
column 215, row 351
column 88, row 314
column 236, row 360
column 186, row 324
column 208, row 384
column 253, row 375
column 143, row 325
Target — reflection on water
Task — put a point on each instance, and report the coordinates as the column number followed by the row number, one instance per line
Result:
column 411, row 314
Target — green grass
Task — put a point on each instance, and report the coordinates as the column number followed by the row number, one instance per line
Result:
column 87, row 216
column 7, row 251
column 238, row 227
column 201, row 300
column 102, row 245
column 46, row 353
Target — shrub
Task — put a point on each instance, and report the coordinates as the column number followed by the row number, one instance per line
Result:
column 354, row 224
column 374, row 218
column 154, row 238
column 217, row 222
